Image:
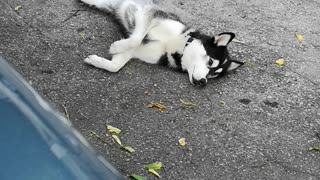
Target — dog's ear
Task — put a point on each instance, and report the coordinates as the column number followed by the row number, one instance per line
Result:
column 234, row 65
column 223, row 39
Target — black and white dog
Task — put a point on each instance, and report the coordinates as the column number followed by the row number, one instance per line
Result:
column 157, row 37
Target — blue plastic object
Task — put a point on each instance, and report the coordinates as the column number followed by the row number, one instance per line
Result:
column 37, row 143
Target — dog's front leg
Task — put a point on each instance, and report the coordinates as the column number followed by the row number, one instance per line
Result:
column 118, row 61
column 142, row 26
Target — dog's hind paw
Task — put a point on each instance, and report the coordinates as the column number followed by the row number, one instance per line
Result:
column 122, row 46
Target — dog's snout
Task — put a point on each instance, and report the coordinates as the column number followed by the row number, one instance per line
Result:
column 201, row 82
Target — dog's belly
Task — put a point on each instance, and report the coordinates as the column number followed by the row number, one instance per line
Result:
column 150, row 52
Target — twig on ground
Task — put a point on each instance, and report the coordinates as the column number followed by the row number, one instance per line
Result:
column 84, row 115
column 238, row 41
column 66, row 112
column 72, row 15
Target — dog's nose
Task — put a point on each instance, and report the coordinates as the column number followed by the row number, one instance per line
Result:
column 201, row 82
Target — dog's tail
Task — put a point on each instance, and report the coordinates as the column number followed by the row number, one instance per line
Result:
column 111, row 5
column 108, row 5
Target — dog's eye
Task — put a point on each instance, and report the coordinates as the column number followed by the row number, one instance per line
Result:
column 210, row 62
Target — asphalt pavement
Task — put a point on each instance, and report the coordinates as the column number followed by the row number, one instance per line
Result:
column 256, row 123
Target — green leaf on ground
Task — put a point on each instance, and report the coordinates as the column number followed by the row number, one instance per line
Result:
column 250, row 64
column 280, row 62
column 182, row 142
column 222, row 103
column 152, row 171
column 154, row 166
column 112, row 129
column 299, row 37
column 128, row 149
column 314, row 149
column 82, row 34
column 17, row 8
column 92, row 134
column 187, row 103
column 137, row 177
column 116, row 140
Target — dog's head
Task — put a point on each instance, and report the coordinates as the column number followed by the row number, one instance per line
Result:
column 207, row 57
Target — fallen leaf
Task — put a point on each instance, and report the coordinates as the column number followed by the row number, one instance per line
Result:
column 152, row 171
column 222, row 103
column 154, row 166
column 188, row 103
column 299, row 37
column 116, row 139
column 82, row 34
column 137, row 177
column 157, row 105
column 182, row 141
column 92, row 134
column 314, row 149
column 17, row 8
column 280, row 62
column 250, row 64
column 128, row 149
column 112, row 129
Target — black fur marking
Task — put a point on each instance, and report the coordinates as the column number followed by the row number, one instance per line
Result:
column 129, row 18
column 219, row 53
column 163, row 61
column 177, row 59
column 124, row 32
column 145, row 40
column 189, row 41
column 224, row 67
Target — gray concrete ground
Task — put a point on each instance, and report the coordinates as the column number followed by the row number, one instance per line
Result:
column 255, row 123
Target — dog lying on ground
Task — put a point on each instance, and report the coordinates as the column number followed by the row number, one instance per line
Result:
column 158, row 37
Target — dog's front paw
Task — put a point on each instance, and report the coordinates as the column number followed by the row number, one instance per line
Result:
column 94, row 60
column 122, row 46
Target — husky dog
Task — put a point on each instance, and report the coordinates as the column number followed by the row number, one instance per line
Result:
column 158, row 37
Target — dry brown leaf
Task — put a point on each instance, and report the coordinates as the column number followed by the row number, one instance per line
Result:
column 157, row 105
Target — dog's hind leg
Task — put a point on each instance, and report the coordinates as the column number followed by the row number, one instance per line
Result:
column 138, row 21
column 118, row 61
